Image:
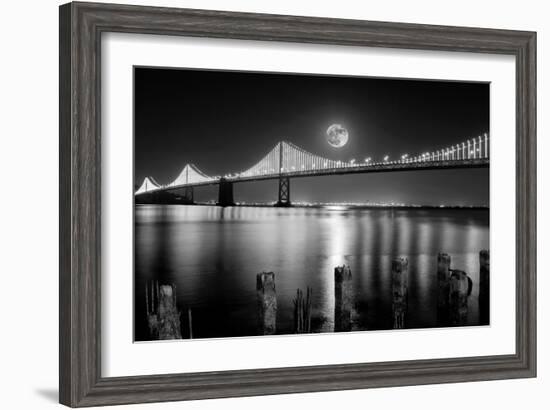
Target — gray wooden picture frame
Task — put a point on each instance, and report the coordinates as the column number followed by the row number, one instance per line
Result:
column 81, row 27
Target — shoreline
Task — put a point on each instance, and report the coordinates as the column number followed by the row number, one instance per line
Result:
column 336, row 207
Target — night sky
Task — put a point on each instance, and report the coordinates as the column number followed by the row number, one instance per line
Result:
column 225, row 122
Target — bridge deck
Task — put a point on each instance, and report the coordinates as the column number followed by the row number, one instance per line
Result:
column 358, row 169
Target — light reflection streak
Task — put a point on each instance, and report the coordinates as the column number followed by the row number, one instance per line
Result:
column 214, row 255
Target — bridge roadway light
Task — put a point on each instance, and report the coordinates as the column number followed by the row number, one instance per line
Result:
column 386, row 158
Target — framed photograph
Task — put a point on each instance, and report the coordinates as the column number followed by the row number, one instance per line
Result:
column 262, row 204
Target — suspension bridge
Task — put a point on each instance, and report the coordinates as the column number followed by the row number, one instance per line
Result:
column 286, row 161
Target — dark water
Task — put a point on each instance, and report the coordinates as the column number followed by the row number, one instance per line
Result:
column 213, row 255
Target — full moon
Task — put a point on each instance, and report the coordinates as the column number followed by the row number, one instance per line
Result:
column 337, row 135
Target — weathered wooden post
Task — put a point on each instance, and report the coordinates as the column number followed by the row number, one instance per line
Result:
column 157, row 291
column 443, row 282
column 169, row 323
column 302, row 311
column 399, row 276
column 460, row 286
column 147, row 298
column 152, row 318
column 164, row 317
column 484, row 287
column 267, row 303
column 342, row 299
column 190, row 321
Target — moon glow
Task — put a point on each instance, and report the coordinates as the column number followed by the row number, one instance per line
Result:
column 337, row 135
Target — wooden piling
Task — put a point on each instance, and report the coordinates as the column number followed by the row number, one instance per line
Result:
column 302, row 311
column 342, row 298
column 164, row 317
column 484, row 288
column 443, row 283
column 152, row 297
column 460, row 287
column 146, row 298
column 168, row 313
column 267, row 303
column 157, row 290
column 399, row 275
column 190, row 321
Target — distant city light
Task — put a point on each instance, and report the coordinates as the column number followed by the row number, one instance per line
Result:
column 336, row 207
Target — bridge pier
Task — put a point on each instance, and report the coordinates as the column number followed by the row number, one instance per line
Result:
column 225, row 193
column 284, row 192
column 188, row 195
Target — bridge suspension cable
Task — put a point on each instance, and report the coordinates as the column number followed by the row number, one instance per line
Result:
column 298, row 159
column 293, row 158
column 148, row 185
column 475, row 148
column 190, row 174
column 269, row 164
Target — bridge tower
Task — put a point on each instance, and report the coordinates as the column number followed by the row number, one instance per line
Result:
column 284, row 182
column 284, row 191
column 188, row 192
column 225, row 193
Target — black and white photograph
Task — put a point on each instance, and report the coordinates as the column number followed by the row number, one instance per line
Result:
column 282, row 203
